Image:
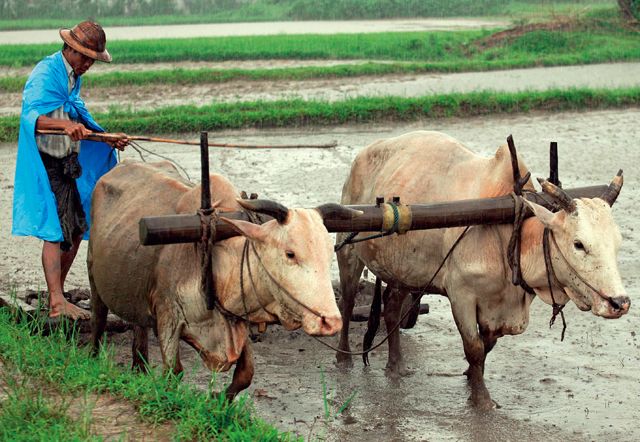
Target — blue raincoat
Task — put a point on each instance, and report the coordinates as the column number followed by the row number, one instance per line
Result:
column 34, row 205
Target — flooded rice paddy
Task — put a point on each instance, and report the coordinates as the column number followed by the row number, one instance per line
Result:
column 585, row 388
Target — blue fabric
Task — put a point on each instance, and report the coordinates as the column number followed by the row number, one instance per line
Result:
column 34, row 205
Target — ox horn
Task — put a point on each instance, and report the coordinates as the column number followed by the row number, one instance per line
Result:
column 268, row 207
column 337, row 211
column 611, row 194
column 565, row 201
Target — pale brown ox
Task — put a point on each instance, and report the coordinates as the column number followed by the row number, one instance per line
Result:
column 425, row 167
column 286, row 276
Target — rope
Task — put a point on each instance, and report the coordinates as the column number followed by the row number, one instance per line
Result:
column 557, row 308
column 513, row 249
column 407, row 313
column 351, row 237
column 139, row 149
column 513, row 258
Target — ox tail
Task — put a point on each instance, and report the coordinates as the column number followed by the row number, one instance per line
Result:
column 374, row 321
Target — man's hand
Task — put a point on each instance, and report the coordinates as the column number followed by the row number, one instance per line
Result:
column 76, row 131
column 121, row 142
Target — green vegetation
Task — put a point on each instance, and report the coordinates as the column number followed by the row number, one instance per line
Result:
column 44, row 14
column 27, row 415
column 429, row 51
column 390, row 46
column 59, row 362
column 540, row 48
column 295, row 113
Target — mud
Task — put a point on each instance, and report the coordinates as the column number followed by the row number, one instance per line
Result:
column 585, row 388
column 263, row 28
column 612, row 75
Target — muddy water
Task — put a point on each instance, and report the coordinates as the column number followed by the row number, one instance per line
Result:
column 585, row 388
column 612, row 75
column 262, row 28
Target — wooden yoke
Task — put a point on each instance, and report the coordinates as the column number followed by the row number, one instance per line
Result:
column 172, row 229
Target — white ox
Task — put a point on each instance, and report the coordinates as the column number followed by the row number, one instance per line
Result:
column 286, row 274
column 429, row 167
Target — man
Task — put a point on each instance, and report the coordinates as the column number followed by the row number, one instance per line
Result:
column 55, row 174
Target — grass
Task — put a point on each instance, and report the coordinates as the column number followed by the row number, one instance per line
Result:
column 407, row 53
column 298, row 113
column 406, row 46
column 269, row 10
column 58, row 361
column 441, row 47
column 27, row 415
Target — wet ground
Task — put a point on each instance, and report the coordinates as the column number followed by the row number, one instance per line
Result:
column 585, row 388
column 611, row 75
column 264, row 28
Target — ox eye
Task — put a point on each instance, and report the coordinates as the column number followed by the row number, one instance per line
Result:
column 290, row 254
column 579, row 246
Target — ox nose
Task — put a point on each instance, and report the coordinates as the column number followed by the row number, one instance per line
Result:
column 330, row 325
column 622, row 303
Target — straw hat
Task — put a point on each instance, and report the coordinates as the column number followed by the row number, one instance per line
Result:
column 89, row 39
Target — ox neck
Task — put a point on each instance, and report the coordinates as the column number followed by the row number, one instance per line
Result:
column 246, row 294
column 533, row 266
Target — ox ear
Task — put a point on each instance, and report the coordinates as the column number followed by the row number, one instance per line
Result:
column 252, row 231
column 544, row 215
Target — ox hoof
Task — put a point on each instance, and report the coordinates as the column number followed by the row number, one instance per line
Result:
column 398, row 371
column 344, row 362
column 484, row 403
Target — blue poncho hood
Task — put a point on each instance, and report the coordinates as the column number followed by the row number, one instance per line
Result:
column 34, row 205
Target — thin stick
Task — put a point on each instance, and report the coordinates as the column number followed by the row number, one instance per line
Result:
column 105, row 136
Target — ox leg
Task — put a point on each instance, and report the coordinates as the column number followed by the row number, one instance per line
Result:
column 393, row 300
column 489, row 339
column 350, row 268
column 140, row 349
column 464, row 314
column 169, row 331
column 99, row 313
column 243, row 373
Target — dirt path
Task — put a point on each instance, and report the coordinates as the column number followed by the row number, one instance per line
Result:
column 7, row 71
column 263, row 28
column 583, row 389
column 611, row 75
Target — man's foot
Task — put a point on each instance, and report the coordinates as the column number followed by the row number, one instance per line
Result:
column 65, row 308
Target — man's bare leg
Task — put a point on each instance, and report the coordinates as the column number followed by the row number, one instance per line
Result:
column 66, row 259
column 53, row 271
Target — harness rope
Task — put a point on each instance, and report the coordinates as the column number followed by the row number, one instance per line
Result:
column 139, row 149
column 548, row 264
column 351, row 237
column 404, row 316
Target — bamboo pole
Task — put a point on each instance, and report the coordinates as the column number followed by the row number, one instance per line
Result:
column 106, row 136
column 172, row 229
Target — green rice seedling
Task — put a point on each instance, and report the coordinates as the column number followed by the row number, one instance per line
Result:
column 332, row 412
column 590, row 39
column 298, row 112
column 199, row 11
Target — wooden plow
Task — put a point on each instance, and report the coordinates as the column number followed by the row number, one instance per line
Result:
column 382, row 218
